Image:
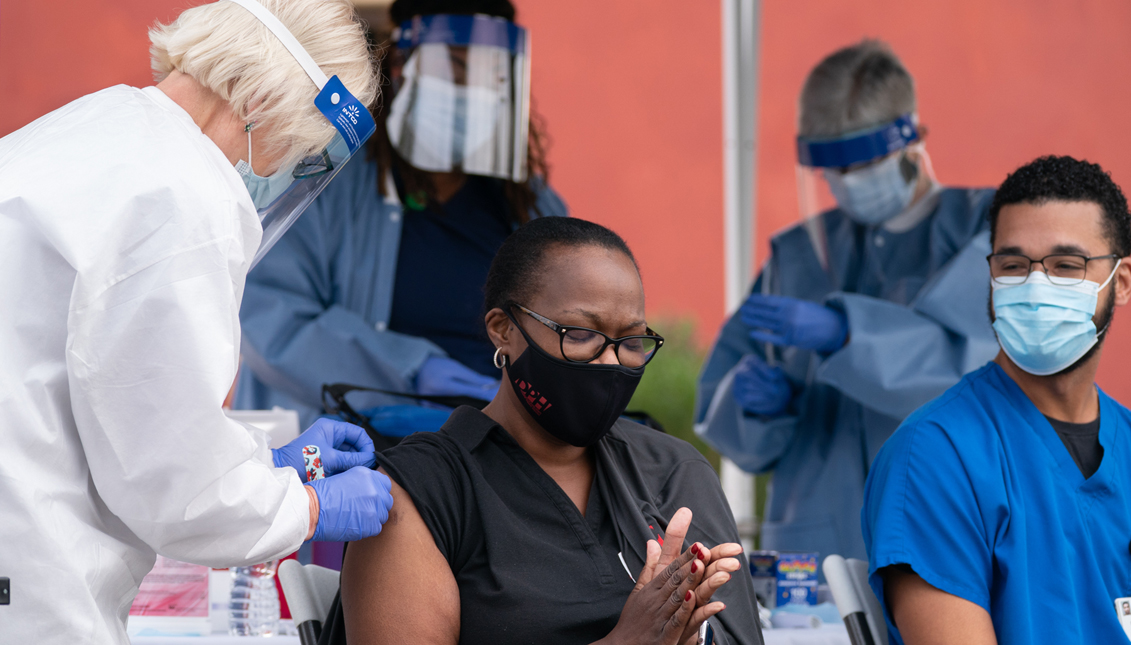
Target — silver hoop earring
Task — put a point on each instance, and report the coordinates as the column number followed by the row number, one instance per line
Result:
column 500, row 359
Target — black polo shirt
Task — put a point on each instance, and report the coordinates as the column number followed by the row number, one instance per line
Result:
column 529, row 566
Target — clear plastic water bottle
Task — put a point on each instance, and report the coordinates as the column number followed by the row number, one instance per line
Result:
column 254, row 606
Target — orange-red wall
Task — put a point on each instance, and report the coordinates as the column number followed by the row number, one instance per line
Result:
column 631, row 93
column 53, row 51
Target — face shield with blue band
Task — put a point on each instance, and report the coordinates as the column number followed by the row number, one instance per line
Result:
column 463, row 104
column 868, row 172
column 281, row 198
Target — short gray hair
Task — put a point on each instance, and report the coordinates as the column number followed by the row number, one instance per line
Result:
column 855, row 88
column 226, row 49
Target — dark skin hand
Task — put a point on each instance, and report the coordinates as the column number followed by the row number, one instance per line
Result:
column 587, row 287
column 660, row 607
column 720, row 563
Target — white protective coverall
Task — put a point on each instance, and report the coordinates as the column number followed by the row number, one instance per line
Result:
column 125, row 236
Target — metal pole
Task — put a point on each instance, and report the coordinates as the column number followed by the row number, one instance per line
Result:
column 740, row 20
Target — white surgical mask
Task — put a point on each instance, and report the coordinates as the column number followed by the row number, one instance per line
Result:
column 873, row 194
column 1044, row 327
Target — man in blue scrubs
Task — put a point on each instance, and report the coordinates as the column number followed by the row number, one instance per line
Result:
column 1001, row 511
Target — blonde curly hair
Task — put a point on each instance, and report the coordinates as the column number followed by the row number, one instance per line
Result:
column 228, row 50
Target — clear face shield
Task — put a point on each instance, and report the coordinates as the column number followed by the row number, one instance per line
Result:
column 286, row 194
column 464, row 100
column 309, row 177
column 871, row 174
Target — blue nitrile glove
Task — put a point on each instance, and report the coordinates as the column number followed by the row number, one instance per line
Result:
column 403, row 420
column 342, row 446
column 761, row 389
column 792, row 322
column 444, row 376
column 352, row 505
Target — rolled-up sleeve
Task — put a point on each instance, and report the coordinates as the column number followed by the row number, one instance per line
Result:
column 922, row 508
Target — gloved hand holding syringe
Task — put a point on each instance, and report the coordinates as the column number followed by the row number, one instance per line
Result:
column 348, row 499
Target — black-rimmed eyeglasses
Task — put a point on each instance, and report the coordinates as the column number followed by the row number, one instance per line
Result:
column 1064, row 269
column 582, row 345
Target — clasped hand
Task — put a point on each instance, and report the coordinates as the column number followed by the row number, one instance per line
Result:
column 673, row 593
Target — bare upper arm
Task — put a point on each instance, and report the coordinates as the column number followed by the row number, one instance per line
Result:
column 926, row 615
column 396, row 586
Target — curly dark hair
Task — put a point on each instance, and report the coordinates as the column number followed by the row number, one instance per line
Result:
column 1067, row 179
column 516, row 271
column 521, row 196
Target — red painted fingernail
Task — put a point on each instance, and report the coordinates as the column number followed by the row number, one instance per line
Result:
column 702, row 556
column 687, row 598
column 695, row 548
column 694, row 566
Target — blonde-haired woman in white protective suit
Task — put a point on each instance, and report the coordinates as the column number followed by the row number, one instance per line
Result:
column 128, row 221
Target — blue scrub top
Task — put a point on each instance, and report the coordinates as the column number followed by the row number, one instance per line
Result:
column 445, row 254
column 977, row 493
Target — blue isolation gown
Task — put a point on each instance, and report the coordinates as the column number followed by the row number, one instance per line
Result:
column 977, row 493
column 915, row 291
column 317, row 308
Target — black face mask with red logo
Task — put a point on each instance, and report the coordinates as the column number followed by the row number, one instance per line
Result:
column 575, row 402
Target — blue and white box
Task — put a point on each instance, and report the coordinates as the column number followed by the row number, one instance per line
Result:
column 797, row 578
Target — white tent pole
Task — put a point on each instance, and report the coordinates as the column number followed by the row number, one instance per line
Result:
column 740, row 24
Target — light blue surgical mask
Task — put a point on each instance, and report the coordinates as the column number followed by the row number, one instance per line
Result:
column 876, row 193
column 263, row 190
column 1043, row 327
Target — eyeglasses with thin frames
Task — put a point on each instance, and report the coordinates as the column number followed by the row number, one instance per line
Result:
column 1063, row 269
column 582, row 345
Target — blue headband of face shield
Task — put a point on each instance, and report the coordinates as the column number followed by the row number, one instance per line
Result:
column 858, row 147
column 290, row 191
column 461, row 31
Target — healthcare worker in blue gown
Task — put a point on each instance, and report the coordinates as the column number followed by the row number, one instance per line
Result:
column 862, row 313
column 381, row 283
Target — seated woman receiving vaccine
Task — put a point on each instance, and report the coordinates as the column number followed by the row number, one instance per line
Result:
column 545, row 517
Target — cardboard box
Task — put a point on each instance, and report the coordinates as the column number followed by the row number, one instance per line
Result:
column 764, row 571
column 797, row 578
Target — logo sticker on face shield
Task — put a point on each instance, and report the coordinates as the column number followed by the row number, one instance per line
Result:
column 348, row 116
